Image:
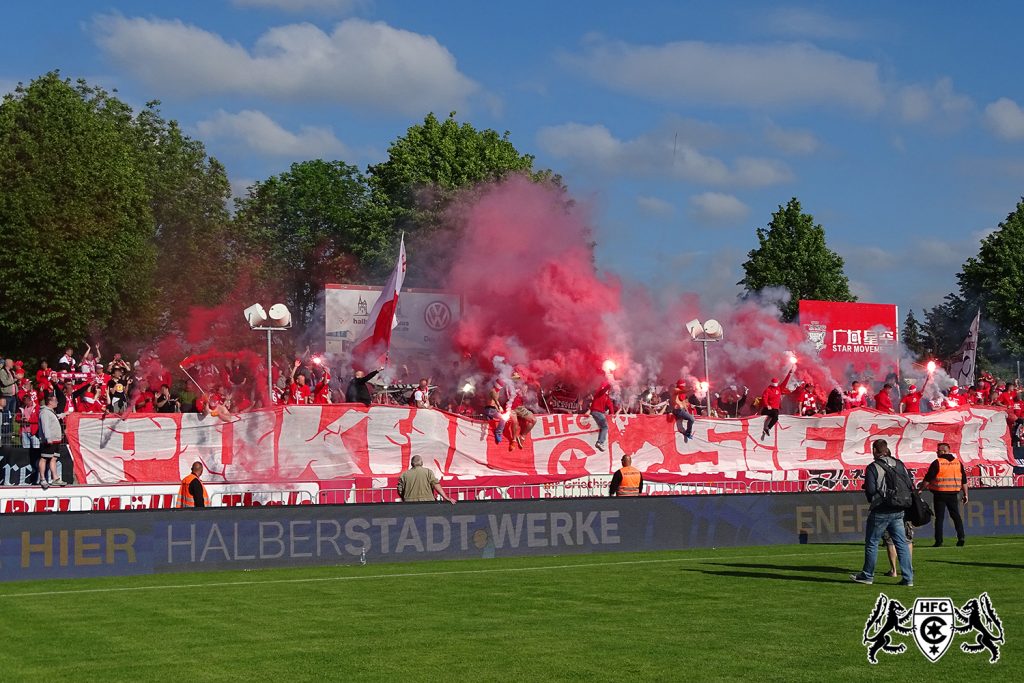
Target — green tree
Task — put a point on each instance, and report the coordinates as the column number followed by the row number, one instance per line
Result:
column 425, row 169
column 311, row 225
column 994, row 280
column 792, row 255
column 75, row 217
column 913, row 335
column 188, row 199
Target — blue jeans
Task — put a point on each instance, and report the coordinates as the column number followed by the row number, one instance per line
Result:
column 877, row 523
column 602, row 425
column 681, row 417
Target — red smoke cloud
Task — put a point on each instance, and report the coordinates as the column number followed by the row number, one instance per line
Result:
column 533, row 295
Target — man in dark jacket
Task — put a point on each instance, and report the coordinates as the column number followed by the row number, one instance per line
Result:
column 885, row 516
column 357, row 391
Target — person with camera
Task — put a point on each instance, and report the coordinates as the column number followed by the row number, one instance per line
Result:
column 889, row 489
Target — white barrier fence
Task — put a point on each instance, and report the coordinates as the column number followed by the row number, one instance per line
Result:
column 14, row 500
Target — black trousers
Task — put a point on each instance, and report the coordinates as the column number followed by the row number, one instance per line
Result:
column 947, row 500
column 773, row 418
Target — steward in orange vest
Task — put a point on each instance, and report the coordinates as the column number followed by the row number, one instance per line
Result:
column 627, row 481
column 947, row 480
column 192, row 493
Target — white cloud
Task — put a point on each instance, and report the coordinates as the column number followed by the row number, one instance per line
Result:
column 792, row 140
column 322, row 6
column 258, row 132
column 359, row 63
column 756, row 75
column 655, row 207
column 1005, row 118
column 939, row 103
column 807, row 23
column 717, row 207
column 595, row 148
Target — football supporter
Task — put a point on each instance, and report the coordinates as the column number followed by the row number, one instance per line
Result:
column 9, row 389
column 600, row 405
column 771, row 402
column 28, row 419
column 911, row 402
column 50, row 437
column 322, row 390
column 117, row 391
column 67, row 362
column 298, row 392
column 421, row 397
column 883, row 399
column 731, row 401
column 856, row 397
column 807, row 401
column 953, row 398
column 358, row 390
column 165, row 402
column 682, row 410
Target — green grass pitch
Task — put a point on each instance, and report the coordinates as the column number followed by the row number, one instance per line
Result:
column 744, row 614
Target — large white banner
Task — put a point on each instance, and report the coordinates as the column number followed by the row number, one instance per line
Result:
column 324, row 443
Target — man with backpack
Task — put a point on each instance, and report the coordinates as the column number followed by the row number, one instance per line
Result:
column 889, row 489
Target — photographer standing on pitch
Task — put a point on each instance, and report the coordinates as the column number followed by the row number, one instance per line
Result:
column 889, row 488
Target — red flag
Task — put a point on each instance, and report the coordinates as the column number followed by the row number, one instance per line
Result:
column 373, row 344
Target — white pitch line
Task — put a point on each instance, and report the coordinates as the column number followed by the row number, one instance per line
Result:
column 454, row 572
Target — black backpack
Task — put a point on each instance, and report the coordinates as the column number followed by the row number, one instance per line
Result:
column 899, row 490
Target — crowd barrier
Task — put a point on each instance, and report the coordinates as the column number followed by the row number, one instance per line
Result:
column 119, row 543
column 16, row 500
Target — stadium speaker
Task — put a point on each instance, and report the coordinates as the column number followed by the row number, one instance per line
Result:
column 255, row 315
column 695, row 329
column 280, row 316
column 712, row 329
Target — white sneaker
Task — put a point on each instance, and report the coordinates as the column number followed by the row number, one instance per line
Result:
column 43, row 485
column 58, row 482
column 599, row 446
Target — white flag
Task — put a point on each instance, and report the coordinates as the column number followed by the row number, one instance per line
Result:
column 962, row 369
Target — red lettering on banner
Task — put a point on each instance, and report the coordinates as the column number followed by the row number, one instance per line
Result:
column 128, row 439
column 549, row 425
column 950, row 433
column 833, row 438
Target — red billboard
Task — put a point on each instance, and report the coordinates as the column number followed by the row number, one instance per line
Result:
column 854, row 340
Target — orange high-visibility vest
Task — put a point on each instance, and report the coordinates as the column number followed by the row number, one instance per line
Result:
column 949, row 478
column 631, row 479
column 185, row 498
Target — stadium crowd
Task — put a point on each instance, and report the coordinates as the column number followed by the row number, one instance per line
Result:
column 225, row 384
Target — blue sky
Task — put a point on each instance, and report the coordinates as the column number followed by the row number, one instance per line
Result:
column 900, row 126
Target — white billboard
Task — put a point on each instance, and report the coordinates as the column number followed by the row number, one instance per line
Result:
column 426, row 319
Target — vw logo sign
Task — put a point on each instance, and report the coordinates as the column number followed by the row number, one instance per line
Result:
column 437, row 315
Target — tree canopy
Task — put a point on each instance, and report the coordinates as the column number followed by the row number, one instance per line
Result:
column 792, row 255
column 994, row 280
column 308, row 226
column 75, row 215
column 424, row 170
